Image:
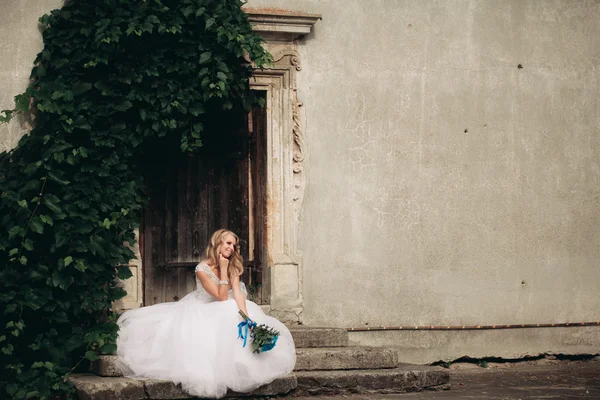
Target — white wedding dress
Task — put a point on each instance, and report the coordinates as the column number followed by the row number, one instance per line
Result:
column 195, row 342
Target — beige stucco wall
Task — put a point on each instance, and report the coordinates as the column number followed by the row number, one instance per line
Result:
column 445, row 185
column 20, row 41
column 408, row 219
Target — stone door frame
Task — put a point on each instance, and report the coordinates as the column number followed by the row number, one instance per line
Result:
column 285, row 180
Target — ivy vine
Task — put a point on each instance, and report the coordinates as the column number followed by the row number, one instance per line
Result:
column 113, row 74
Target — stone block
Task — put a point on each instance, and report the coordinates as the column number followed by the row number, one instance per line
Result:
column 319, row 337
column 340, row 358
column 164, row 390
column 92, row 387
column 108, row 365
column 279, row 386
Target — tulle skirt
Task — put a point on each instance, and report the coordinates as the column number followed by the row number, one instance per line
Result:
column 195, row 343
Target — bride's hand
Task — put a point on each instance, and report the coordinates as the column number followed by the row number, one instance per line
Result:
column 223, row 262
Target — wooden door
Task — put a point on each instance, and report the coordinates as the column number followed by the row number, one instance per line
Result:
column 191, row 196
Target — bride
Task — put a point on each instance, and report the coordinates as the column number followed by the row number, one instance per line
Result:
column 195, row 341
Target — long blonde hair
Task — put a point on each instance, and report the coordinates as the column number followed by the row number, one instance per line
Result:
column 211, row 255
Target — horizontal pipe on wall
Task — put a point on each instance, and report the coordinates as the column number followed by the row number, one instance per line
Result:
column 469, row 327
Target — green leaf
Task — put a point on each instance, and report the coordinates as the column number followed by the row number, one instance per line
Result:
column 11, row 388
column 96, row 248
column 28, row 244
column 31, row 168
column 81, row 87
column 57, row 95
column 80, row 266
column 187, row 11
column 36, row 225
column 39, row 71
column 46, row 219
column 204, row 57
column 109, row 349
column 124, row 106
column 11, row 308
column 68, row 261
column 7, row 115
column 124, row 273
column 60, row 238
column 196, row 109
column 14, row 231
column 51, row 201
column 22, row 101
column 56, row 179
column 210, row 22
column 91, row 355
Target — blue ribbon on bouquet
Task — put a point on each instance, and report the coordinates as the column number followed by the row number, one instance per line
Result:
column 243, row 328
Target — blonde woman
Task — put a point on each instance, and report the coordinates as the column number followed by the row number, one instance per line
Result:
column 195, row 341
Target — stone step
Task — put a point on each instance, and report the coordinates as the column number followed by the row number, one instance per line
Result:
column 404, row 378
column 343, row 358
column 318, row 358
column 306, row 337
column 93, row 387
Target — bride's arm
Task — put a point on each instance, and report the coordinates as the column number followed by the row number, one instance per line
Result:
column 219, row 292
column 238, row 296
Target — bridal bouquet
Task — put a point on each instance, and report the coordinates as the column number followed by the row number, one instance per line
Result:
column 263, row 337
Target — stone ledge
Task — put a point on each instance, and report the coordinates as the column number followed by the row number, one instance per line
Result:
column 92, row 387
column 405, row 378
column 280, row 25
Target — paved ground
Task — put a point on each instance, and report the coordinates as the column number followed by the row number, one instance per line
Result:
column 526, row 380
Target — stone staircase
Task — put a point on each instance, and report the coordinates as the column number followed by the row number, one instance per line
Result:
column 325, row 365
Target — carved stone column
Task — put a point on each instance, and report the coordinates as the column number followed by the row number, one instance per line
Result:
column 286, row 153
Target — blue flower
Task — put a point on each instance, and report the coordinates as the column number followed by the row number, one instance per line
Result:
column 269, row 346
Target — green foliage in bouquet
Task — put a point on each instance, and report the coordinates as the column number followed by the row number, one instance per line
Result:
column 262, row 337
column 113, row 76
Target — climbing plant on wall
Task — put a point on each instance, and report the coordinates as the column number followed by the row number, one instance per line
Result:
column 112, row 75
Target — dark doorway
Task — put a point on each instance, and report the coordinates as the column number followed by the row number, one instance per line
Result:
column 191, row 196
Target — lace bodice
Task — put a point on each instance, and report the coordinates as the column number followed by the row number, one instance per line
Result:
column 206, row 269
